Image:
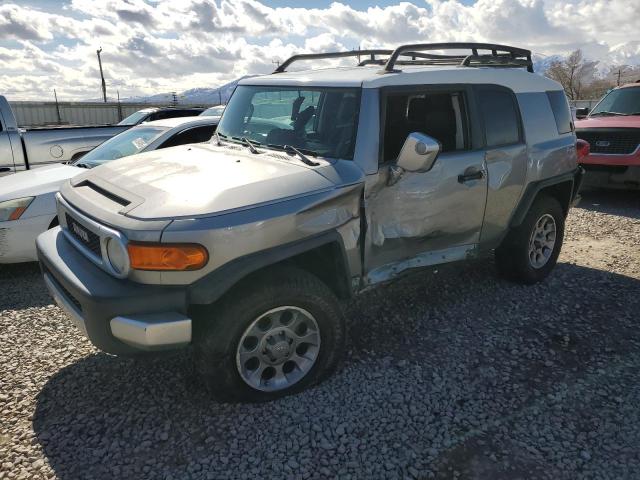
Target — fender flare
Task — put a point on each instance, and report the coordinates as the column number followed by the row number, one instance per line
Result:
column 214, row 285
column 573, row 177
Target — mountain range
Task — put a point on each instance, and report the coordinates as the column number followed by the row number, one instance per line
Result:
column 197, row 96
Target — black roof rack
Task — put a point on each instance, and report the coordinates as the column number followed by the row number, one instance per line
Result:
column 498, row 56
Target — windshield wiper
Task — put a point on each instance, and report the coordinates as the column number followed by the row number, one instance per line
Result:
column 306, row 160
column 219, row 136
column 249, row 143
column 608, row 113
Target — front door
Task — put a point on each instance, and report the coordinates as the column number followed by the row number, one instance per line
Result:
column 432, row 217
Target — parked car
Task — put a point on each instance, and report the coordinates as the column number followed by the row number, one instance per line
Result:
column 213, row 111
column 24, row 149
column 318, row 184
column 160, row 113
column 27, row 199
column 612, row 129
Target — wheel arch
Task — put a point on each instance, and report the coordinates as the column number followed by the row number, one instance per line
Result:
column 322, row 255
column 562, row 187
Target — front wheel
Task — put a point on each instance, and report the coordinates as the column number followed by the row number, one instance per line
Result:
column 530, row 251
column 274, row 335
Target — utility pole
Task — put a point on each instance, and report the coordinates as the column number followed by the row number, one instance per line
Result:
column 174, row 98
column 219, row 96
column 57, row 106
column 104, row 85
column 119, row 107
column 619, row 73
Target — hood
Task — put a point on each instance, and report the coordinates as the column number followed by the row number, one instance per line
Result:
column 196, row 180
column 613, row 121
column 35, row 182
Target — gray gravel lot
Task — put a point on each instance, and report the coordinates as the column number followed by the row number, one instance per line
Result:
column 451, row 373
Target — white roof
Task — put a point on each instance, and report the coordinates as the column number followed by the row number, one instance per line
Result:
column 518, row 80
column 180, row 122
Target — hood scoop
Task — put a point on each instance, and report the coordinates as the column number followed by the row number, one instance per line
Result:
column 100, row 190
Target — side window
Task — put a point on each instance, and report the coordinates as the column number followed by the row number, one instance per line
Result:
column 439, row 115
column 561, row 111
column 500, row 115
column 164, row 114
column 192, row 135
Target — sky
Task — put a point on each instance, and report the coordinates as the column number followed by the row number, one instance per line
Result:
column 154, row 46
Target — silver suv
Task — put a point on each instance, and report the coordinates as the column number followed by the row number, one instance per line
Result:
column 319, row 184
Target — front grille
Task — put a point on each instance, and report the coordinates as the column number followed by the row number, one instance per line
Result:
column 611, row 142
column 85, row 236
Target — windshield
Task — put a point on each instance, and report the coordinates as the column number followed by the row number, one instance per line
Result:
column 124, row 144
column 625, row 101
column 213, row 112
column 320, row 121
column 135, row 118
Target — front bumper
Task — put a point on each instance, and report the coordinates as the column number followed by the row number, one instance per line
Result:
column 118, row 316
column 613, row 160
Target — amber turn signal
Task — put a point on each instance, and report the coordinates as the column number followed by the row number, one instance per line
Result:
column 167, row 257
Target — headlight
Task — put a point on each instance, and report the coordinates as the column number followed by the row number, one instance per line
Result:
column 117, row 255
column 13, row 209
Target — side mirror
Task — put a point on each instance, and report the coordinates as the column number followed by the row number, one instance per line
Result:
column 418, row 153
column 582, row 112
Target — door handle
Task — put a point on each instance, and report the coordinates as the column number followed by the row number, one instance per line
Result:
column 472, row 174
column 5, row 169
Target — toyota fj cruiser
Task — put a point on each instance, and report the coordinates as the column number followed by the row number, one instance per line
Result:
column 319, row 184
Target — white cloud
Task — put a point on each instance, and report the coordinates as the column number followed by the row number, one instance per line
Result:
column 176, row 45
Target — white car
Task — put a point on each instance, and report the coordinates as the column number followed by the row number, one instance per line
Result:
column 27, row 199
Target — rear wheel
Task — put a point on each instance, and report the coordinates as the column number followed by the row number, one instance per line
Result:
column 530, row 251
column 272, row 336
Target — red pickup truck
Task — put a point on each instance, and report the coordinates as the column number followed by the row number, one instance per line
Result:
column 612, row 129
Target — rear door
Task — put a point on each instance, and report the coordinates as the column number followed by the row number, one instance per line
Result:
column 435, row 216
column 506, row 158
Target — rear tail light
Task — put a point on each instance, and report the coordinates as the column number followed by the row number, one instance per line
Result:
column 583, row 148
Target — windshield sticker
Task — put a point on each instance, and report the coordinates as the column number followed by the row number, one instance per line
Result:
column 139, row 143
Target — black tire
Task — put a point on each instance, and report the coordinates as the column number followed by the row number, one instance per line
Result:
column 220, row 328
column 512, row 257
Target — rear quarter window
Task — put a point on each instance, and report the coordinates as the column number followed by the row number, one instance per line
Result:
column 561, row 112
column 500, row 115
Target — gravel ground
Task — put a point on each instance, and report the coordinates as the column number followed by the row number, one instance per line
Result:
column 450, row 374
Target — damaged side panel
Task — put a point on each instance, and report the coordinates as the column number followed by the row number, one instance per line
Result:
column 229, row 237
column 423, row 218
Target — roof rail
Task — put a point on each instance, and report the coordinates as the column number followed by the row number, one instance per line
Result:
column 351, row 53
column 317, row 56
column 501, row 55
